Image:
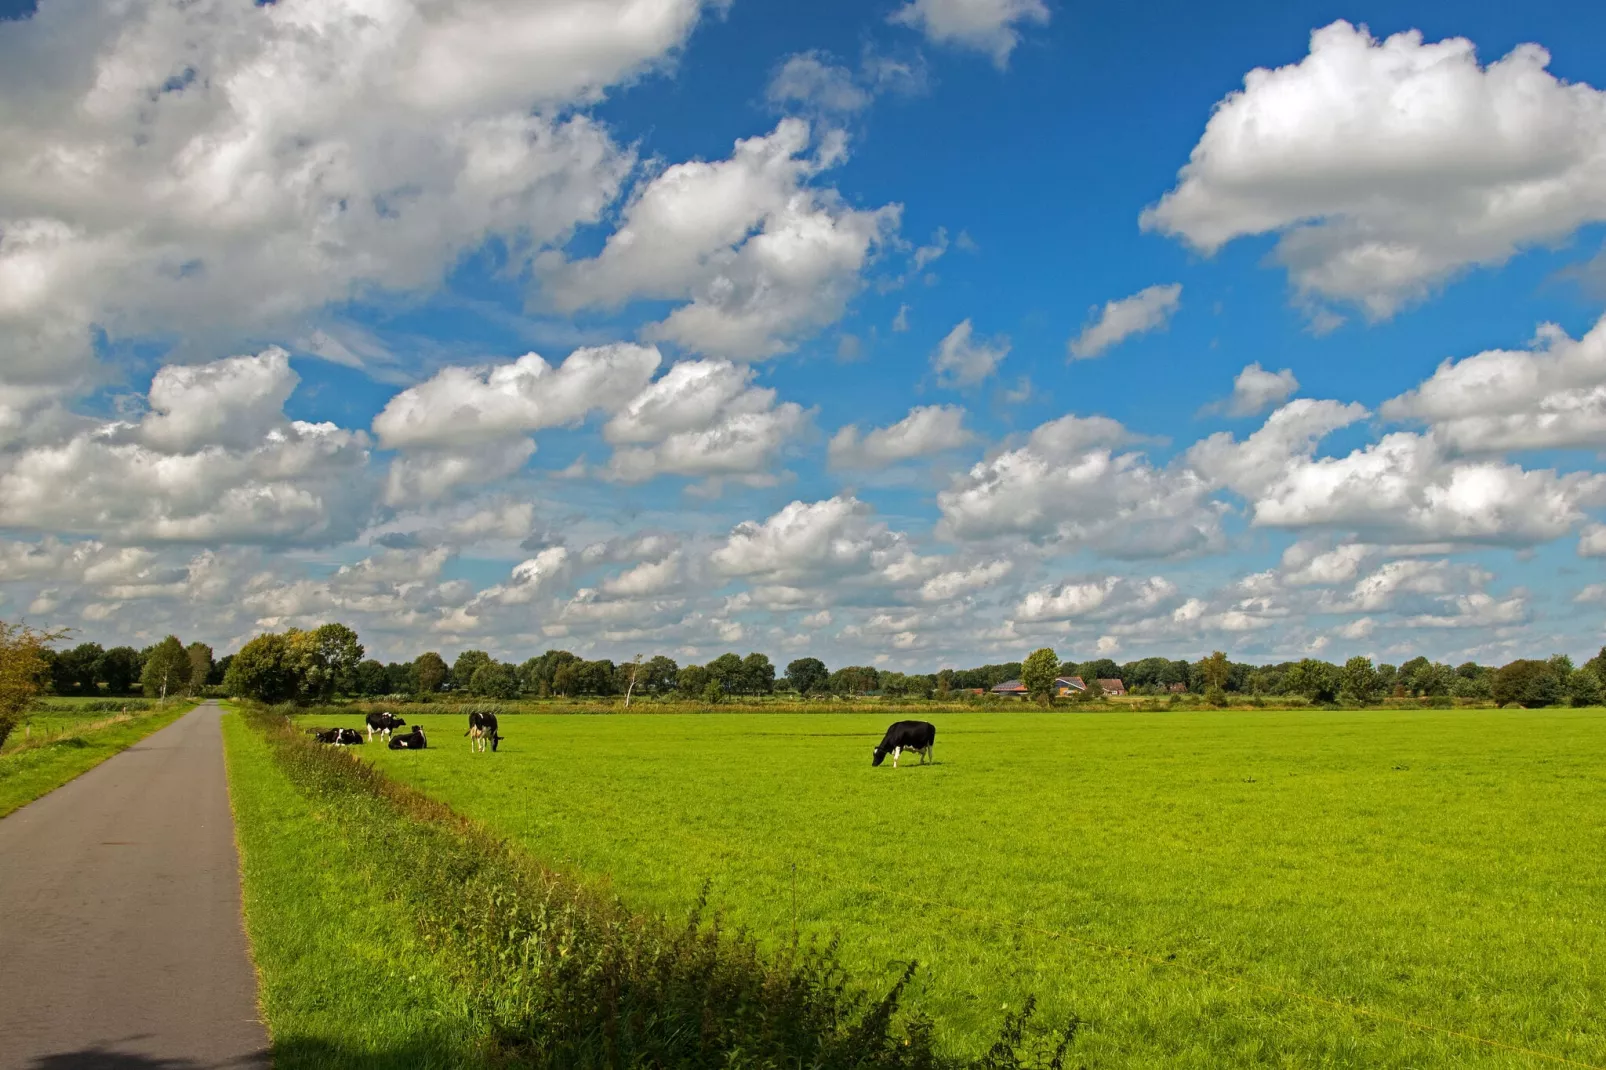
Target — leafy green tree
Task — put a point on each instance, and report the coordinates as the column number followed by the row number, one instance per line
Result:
column 1215, row 670
column 596, row 677
column 371, row 678
column 325, row 658
column 495, row 680
column 758, row 675
column 119, row 668
column 1583, row 689
column 220, row 667
column 658, row 675
column 1097, row 669
column 1359, row 679
column 809, row 675
column 726, row 670
column 265, row 669
column 1038, row 671
column 429, row 672
column 693, row 680
column 467, row 664
column 200, row 656
column 1529, row 683
column 24, row 671
column 1316, row 680
column 566, row 680
column 856, row 680
column 77, row 671
column 713, row 692
column 167, row 669
column 401, row 678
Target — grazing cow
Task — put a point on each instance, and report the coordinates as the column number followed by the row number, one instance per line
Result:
column 905, row 735
column 413, row 740
column 383, row 723
column 482, row 730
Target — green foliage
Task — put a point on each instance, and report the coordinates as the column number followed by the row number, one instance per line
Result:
column 856, row 680
column 1583, row 688
column 265, row 670
column 167, row 669
column 1215, row 696
column 713, row 692
column 495, row 680
column 323, row 659
column 1038, row 671
column 1214, row 671
column 1529, row 683
column 807, row 675
column 24, row 671
column 693, row 680
column 200, row 656
column 1359, row 680
column 119, row 668
column 658, row 675
column 370, row 678
column 556, row 975
column 467, row 664
column 429, row 672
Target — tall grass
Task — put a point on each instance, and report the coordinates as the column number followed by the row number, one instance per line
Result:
column 558, row 975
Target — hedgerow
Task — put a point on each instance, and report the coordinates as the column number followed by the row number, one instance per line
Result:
column 557, row 974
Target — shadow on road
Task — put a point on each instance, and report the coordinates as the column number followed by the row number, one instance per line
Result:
column 109, row 1058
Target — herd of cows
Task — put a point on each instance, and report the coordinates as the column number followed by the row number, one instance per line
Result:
column 917, row 737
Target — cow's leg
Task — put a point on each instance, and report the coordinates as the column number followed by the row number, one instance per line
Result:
column 895, row 752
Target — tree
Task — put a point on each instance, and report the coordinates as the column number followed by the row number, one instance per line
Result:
column 1359, row 679
column 167, row 669
column 659, row 674
column 429, row 672
column 1097, row 669
column 78, row 670
column 693, row 680
column 566, row 680
column 1215, row 670
column 1316, row 680
column 200, row 656
column 264, row 670
column 325, row 659
column 220, row 669
column 1038, row 671
column 23, row 670
column 371, row 678
column 495, row 680
column 1583, row 689
column 1529, row 683
column 466, row 665
column 758, row 675
column 809, row 675
column 401, row 678
column 119, row 668
column 726, row 671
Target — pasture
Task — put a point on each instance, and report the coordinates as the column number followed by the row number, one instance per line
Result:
column 1382, row 888
column 66, row 740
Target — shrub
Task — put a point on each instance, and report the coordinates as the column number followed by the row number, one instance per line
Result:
column 1215, row 696
column 563, row 977
column 1530, row 683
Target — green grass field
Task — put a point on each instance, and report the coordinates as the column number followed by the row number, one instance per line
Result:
column 1392, row 888
column 61, row 745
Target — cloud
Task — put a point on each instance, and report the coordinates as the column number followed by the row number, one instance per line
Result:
column 1066, row 601
column 1069, row 487
column 1551, row 397
column 1592, row 541
column 1291, row 432
column 926, row 430
column 467, row 406
column 963, row 360
column 703, row 418
column 1144, row 311
column 1255, row 390
column 983, row 25
column 762, row 258
column 820, row 545
column 233, row 402
column 205, row 172
column 1388, row 167
column 811, row 80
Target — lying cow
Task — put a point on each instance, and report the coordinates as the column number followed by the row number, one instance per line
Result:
column 383, row 723
column 339, row 737
column 905, row 735
column 482, row 730
column 413, row 740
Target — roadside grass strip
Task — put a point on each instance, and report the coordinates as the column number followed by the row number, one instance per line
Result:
column 60, row 749
column 481, row 956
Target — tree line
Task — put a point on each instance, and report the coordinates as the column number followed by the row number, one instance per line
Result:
column 309, row 666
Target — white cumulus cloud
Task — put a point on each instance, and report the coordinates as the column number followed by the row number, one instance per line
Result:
column 926, row 430
column 988, row 26
column 1144, row 311
column 962, row 359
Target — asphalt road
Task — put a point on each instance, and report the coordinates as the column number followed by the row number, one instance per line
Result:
column 121, row 942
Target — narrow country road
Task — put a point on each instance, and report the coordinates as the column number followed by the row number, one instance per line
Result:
column 121, row 943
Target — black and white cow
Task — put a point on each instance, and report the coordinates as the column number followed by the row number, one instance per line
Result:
column 340, row 737
column 413, row 740
column 383, row 723
column 905, row 735
column 482, row 730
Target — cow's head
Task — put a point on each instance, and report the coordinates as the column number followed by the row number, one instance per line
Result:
column 396, row 721
column 496, row 739
column 877, row 756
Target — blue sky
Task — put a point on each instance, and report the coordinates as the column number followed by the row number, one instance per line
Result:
column 269, row 289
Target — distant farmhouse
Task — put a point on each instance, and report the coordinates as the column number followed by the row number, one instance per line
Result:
column 1064, row 686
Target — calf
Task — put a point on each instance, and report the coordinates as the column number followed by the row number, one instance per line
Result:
column 339, row 737
column 905, row 735
column 482, row 729
column 325, row 735
column 413, row 740
column 383, row 723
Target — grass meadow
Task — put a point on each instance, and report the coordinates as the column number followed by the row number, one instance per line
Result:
column 1404, row 888
column 66, row 741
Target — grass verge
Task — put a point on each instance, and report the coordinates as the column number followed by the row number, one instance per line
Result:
column 37, row 768
column 527, row 967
